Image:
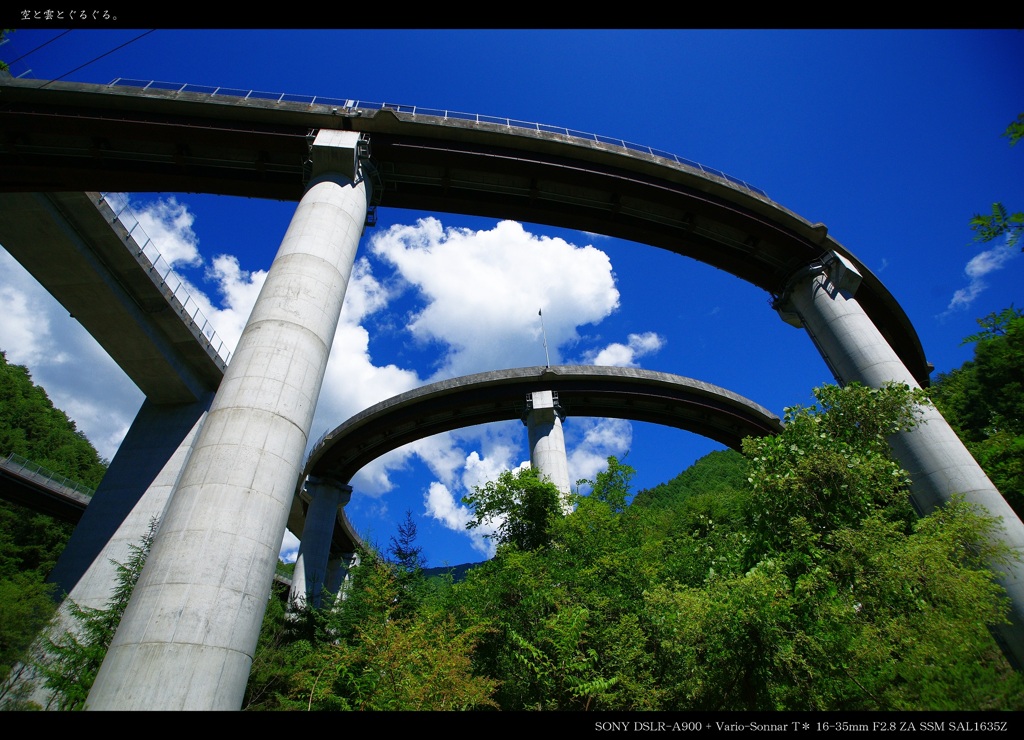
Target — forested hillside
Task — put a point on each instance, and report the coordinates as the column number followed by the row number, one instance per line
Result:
column 792, row 576
column 808, row 583
column 30, row 543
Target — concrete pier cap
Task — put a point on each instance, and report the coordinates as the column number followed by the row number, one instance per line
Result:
column 338, row 152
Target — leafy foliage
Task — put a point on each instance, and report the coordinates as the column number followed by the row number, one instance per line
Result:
column 720, row 471
column 393, row 663
column 31, row 427
column 73, row 660
column 30, row 543
column 983, row 400
column 1015, row 131
column 521, row 504
column 377, row 649
column 407, row 561
column 1000, row 222
column 831, row 465
column 804, row 583
column 26, row 607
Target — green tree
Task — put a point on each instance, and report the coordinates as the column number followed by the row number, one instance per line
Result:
column 1000, row 222
column 407, row 561
column 805, row 583
column 273, row 661
column 389, row 660
column 30, row 542
column 73, row 659
column 856, row 593
column 832, row 465
column 718, row 472
column 612, row 486
column 983, row 400
column 30, row 426
column 561, row 629
column 522, row 505
column 26, row 607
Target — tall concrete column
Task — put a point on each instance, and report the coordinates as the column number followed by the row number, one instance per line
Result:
column 188, row 635
column 97, row 583
column 821, row 300
column 543, row 421
column 311, row 565
column 338, row 572
column 141, row 470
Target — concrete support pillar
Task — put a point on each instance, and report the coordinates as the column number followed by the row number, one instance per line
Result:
column 338, row 572
column 188, row 635
column 821, row 300
column 96, row 585
column 311, row 565
column 158, row 435
column 543, row 421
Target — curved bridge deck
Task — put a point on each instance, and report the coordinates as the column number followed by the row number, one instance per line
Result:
column 72, row 136
column 583, row 390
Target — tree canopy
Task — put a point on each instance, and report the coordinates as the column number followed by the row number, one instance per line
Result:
column 30, row 542
column 1000, row 222
column 807, row 582
column 983, row 400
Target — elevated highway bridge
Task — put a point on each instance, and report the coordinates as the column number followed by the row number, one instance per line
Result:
column 31, row 485
column 57, row 136
column 232, row 456
column 582, row 390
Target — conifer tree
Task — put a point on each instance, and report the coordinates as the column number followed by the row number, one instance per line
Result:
column 73, row 659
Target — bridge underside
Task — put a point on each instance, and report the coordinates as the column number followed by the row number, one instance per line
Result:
column 73, row 245
column 71, row 136
column 583, row 390
column 43, row 496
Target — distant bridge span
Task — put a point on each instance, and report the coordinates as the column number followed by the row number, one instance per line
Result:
column 29, row 484
column 500, row 395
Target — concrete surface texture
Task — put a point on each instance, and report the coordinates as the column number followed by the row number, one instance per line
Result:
column 547, row 443
column 311, row 564
column 187, row 638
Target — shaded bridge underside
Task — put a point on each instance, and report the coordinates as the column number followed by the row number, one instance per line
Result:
column 583, row 390
column 81, row 137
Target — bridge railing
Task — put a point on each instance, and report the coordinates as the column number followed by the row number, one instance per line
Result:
column 29, row 469
column 351, row 104
column 146, row 248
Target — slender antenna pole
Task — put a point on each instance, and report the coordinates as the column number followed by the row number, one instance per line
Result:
column 540, row 312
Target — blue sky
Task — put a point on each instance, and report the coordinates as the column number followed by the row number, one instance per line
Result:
column 892, row 138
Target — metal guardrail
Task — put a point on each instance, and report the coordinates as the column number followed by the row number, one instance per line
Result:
column 145, row 250
column 29, row 469
column 350, row 105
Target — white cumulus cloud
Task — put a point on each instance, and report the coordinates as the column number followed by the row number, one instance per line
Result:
column 601, row 439
column 626, row 355
column 483, row 290
column 976, row 269
column 62, row 357
column 442, row 506
column 476, row 297
column 167, row 222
